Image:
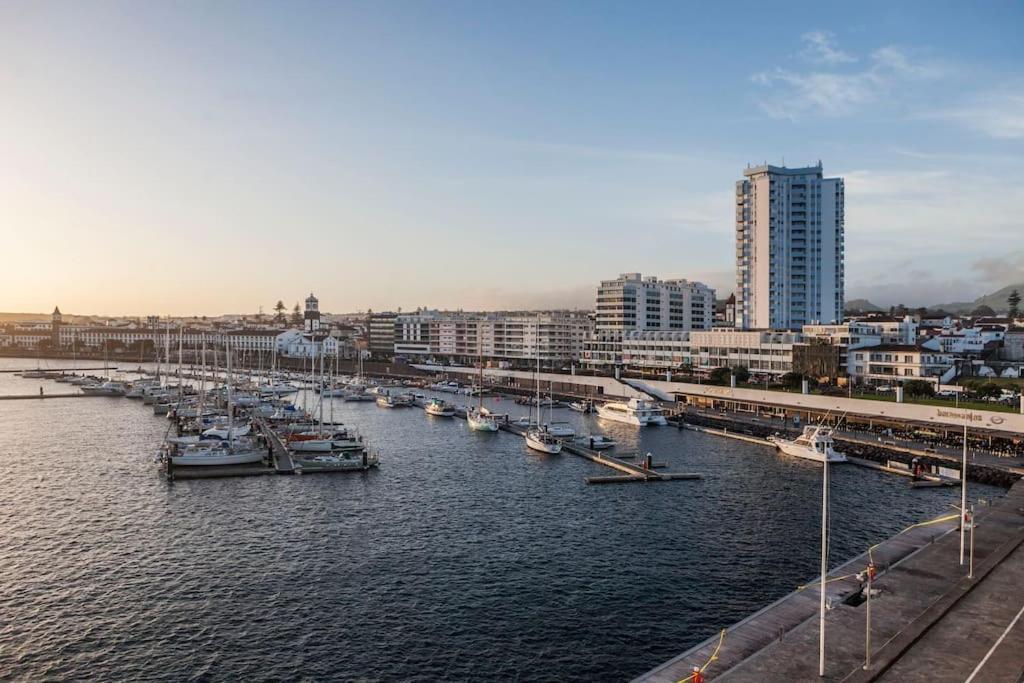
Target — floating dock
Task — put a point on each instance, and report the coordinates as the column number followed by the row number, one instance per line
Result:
column 630, row 472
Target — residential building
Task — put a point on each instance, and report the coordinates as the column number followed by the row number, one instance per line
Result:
column 634, row 302
column 763, row 352
column 515, row 337
column 380, row 330
column 887, row 363
column 789, row 248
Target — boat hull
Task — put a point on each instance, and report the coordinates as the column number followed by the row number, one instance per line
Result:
column 243, row 458
column 797, row 451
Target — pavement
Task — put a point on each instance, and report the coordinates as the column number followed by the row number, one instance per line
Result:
column 929, row 622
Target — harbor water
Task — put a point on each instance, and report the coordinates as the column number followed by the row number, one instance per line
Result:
column 463, row 556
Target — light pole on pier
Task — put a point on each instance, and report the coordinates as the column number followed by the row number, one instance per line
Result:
column 963, row 497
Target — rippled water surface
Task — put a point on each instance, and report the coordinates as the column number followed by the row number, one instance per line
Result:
column 463, row 557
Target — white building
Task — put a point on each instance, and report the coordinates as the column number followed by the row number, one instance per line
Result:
column 762, row 352
column 634, row 302
column 887, row 363
column 554, row 337
column 789, row 248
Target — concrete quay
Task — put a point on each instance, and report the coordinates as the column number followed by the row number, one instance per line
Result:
column 929, row 622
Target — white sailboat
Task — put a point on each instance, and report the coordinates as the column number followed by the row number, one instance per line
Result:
column 227, row 452
column 537, row 438
column 477, row 417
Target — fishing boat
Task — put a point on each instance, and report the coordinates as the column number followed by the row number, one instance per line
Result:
column 815, row 443
column 439, row 408
column 635, row 411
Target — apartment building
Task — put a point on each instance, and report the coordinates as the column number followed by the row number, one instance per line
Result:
column 789, row 248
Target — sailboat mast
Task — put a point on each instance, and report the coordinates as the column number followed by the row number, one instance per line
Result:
column 227, row 350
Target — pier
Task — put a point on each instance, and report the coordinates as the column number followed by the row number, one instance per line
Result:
column 629, row 472
column 929, row 620
column 36, row 397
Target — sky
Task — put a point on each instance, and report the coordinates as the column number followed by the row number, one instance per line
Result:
column 201, row 158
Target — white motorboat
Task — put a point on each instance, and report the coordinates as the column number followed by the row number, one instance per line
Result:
column 581, row 406
column 814, row 444
column 543, row 441
column 216, row 454
column 560, row 430
column 360, row 395
column 446, row 387
column 480, row 421
column 439, row 408
column 386, row 401
column 636, row 411
column 596, row 442
column 105, row 389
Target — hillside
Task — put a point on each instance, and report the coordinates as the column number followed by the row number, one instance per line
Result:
column 996, row 301
column 862, row 305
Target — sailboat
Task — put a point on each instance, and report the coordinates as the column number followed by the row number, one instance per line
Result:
column 537, row 437
column 226, row 452
column 478, row 418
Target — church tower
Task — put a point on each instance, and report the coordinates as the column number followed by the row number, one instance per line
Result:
column 312, row 314
column 56, row 320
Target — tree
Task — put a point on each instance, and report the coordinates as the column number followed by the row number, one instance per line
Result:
column 1014, row 301
column 719, row 375
column 793, row 380
column 741, row 373
column 983, row 311
column 279, row 309
column 989, row 390
column 918, row 388
column 297, row 315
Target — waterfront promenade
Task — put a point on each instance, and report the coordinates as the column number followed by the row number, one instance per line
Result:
column 929, row 622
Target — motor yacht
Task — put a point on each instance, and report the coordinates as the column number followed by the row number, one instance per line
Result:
column 814, row 444
column 636, row 411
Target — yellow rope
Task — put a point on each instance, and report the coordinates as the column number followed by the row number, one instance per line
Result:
column 937, row 520
column 713, row 657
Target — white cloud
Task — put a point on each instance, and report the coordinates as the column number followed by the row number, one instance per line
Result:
column 996, row 115
column 836, row 93
column 820, row 47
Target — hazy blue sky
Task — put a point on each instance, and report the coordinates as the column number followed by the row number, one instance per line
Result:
column 207, row 157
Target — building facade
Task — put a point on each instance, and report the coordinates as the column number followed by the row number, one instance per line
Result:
column 515, row 338
column 789, row 248
column 634, row 302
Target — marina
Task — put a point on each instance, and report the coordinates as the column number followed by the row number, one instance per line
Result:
column 426, row 465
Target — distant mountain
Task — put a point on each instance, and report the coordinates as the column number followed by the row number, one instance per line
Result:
column 996, row 301
column 862, row 305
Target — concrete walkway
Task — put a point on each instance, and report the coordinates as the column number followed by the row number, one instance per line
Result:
column 929, row 622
